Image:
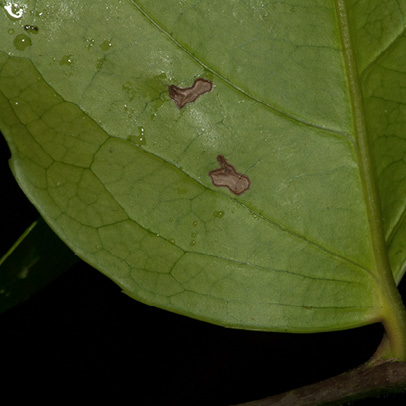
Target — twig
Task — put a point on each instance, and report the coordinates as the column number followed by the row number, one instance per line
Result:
column 367, row 380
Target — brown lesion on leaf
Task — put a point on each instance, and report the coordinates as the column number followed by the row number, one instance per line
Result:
column 182, row 96
column 228, row 177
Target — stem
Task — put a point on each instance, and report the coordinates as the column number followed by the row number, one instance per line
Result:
column 393, row 313
column 362, row 382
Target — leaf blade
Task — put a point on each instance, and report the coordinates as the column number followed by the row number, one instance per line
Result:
column 245, row 261
column 34, row 261
column 174, row 272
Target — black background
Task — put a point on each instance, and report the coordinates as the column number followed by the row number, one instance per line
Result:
column 82, row 337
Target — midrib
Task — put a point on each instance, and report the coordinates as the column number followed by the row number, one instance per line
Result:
column 361, row 137
column 391, row 312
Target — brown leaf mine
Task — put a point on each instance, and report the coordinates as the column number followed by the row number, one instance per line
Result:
column 227, row 176
column 189, row 94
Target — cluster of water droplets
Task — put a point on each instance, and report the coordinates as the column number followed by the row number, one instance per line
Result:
column 15, row 12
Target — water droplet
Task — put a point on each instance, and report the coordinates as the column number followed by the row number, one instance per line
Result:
column 99, row 63
column 130, row 90
column 66, row 60
column 130, row 112
column 172, row 240
column 89, row 43
column 32, row 29
column 140, row 138
column 105, row 45
column 13, row 10
column 170, row 219
column 22, row 41
column 155, row 106
column 11, row 31
column 192, row 243
column 195, row 223
column 218, row 214
column 193, row 235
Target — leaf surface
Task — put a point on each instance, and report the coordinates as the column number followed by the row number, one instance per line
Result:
column 34, row 261
column 121, row 173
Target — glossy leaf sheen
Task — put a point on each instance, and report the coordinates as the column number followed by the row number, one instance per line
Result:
column 122, row 174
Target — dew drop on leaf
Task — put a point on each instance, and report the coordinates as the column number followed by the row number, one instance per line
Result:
column 89, row 43
column 22, row 41
column 13, row 10
column 105, row 45
column 66, row 60
column 31, row 29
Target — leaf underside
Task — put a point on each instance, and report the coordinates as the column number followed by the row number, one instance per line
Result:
column 122, row 174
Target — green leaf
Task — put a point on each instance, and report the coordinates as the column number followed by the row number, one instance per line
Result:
column 124, row 176
column 36, row 259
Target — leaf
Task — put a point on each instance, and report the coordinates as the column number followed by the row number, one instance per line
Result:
column 36, row 259
column 122, row 174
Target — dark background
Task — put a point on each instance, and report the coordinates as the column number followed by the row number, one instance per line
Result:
column 81, row 336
